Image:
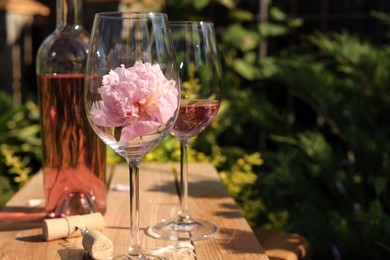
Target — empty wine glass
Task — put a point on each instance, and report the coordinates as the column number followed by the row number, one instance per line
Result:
column 200, row 72
column 132, row 93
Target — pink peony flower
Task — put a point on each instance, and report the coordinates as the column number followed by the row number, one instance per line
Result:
column 138, row 99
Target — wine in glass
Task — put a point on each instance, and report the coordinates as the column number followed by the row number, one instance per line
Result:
column 200, row 72
column 132, row 93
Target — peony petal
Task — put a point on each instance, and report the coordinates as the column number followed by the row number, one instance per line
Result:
column 139, row 99
column 137, row 129
column 168, row 105
column 97, row 114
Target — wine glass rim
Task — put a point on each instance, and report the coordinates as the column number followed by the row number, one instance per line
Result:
column 127, row 15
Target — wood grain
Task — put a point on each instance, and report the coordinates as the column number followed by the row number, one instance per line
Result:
column 21, row 236
column 281, row 245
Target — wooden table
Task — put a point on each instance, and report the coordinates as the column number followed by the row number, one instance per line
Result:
column 20, row 225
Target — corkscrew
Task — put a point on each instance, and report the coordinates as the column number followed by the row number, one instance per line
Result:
column 96, row 243
column 89, row 226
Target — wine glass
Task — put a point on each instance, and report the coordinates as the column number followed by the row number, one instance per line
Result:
column 132, row 93
column 200, row 72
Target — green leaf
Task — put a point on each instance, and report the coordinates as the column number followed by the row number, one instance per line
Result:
column 230, row 4
column 241, row 15
column 376, row 210
column 200, row 4
column 384, row 17
column 277, row 14
column 7, row 116
column 271, row 30
column 246, row 69
column 268, row 67
column 295, row 23
column 242, row 38
column 380, row 184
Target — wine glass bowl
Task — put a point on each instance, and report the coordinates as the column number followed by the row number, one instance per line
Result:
column 200, row 73
column 195, row 115
column 132, row 93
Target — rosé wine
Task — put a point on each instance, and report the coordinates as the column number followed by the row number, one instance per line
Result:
column 194, row 116
column 74, row 180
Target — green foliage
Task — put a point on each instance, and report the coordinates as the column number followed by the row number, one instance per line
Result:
column 19, row 144
column 343, row 153
column 316, row 110
column 241, row 174
column 15, row 164
column 385, row 18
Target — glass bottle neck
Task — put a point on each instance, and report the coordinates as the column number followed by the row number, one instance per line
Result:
column 69, row 12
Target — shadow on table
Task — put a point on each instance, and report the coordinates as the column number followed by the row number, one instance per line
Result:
column 73, row 254
column 200, row 189
column 278, row 244
column 231, row 211
column 21, row 218
column 238, row 241
column 31, row 239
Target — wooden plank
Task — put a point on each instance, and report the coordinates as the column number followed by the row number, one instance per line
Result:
column 20, row 233
column 20, row 226
column 281, row 245
column 158, row 198
column 209, row 199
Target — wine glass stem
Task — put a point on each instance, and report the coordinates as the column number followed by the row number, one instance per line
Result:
column 184, row 148
column 135, row 245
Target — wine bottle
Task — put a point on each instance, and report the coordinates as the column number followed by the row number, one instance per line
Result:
column 73, row 158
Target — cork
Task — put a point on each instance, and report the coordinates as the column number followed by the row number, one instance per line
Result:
column 70, row 226
column 97, row 244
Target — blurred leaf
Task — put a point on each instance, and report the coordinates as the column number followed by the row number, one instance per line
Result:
column 295, row 23
column 385, row 17
column 6, row 190
column 200, row 4
column 315, row 146
column 20, row 145
column 230, row 4
column 277, row 14
column 242, row 38
column 241, row 15
column 380, row 185
column 246, row 69
column 268, row 67
column 375, row 210
column 271, row 30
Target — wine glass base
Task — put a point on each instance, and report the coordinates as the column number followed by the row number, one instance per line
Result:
column 136, row 257
column 172, row 230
